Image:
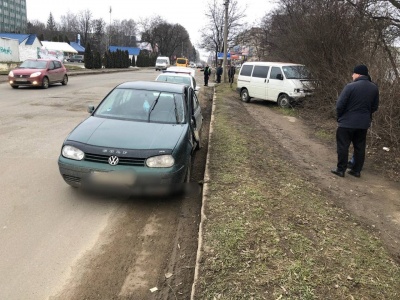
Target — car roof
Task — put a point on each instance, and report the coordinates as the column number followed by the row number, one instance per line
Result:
column 154, row 86
column 175, row 74
column 263, row 63
column 183, row 70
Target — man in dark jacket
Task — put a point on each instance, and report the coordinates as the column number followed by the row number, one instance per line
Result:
column 207, row 72
column 219, row 73
column 231, row 74
column 354, row 109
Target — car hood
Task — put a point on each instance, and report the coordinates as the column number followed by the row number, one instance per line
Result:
column 127, row 134
column 26, row 71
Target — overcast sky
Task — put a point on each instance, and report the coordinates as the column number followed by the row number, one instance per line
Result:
column 188, row 13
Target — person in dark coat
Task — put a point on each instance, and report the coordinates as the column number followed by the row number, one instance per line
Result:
column 231, row 74
column 354, row 108
column 220, row 70
column 207, row 72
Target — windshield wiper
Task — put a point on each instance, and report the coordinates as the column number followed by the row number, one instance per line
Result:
column 152, row 107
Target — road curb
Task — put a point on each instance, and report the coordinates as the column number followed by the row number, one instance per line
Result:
column 203, row 216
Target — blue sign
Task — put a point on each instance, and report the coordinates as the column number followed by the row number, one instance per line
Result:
column 220, row 55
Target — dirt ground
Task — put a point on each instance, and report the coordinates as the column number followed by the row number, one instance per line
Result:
column 374, row 197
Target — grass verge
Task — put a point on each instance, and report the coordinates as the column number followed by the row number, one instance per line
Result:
column 271, row 234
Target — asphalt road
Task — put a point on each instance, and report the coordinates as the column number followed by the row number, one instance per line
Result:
column 46, row 227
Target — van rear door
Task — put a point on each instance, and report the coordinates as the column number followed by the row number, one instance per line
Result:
column 258, row 82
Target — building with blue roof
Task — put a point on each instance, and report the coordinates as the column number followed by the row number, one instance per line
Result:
column 132, row 51
column 77, row 47
column 26, row 47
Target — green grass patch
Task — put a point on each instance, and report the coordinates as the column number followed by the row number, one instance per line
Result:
column 271, row 234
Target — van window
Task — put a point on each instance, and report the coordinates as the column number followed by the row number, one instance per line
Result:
column 246, row 70
column 296, row 72
column 260, row 71
column 275, row 71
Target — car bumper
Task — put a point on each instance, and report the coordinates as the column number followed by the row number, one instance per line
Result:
column 24, row 81
column 140, row 180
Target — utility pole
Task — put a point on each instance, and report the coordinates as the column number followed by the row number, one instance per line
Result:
column 226, row 4
column 109, row 38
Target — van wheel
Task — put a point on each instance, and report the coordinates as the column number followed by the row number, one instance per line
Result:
column 244, row 95
column 284, row 101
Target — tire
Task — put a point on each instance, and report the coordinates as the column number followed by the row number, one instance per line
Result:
column 244, row 95
column 45, row 83
column 284, row 101
column 188, row 171
column 65, row 80
column 14, row 86
column 198, row 143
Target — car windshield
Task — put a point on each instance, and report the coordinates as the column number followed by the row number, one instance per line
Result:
column 174, row 79
column 161, row 61
column 143, row 105
column 33, row 64
column 296, row 72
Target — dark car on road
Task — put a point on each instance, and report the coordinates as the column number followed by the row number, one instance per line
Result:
column 139, row 139
column 38, row 73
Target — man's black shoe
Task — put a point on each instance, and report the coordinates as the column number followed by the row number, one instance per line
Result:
column 350, row 165
column 354, row 173
column 338, row 173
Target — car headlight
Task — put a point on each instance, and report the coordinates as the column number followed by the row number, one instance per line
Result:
column 161, row 161
column 72, row 152
column 36, row 74
column 11, row 74
column 299, row 90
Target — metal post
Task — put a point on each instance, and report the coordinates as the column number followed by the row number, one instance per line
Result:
column 226, row 3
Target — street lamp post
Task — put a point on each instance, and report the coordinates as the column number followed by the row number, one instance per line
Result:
column 109, row 38
column 226, row 4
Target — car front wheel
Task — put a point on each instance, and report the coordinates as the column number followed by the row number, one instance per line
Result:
column 65, row 80
column 45, row 83
column 14, row 86
column 244, row 95
column 284, row 101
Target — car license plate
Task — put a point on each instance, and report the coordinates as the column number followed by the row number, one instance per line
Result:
column 20, row 80
column 113, row 177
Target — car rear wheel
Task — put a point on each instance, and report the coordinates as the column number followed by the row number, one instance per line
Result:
column 65, row 80
column 45, row 83
column 244, row 95
column 284, row 101
column 188, row 171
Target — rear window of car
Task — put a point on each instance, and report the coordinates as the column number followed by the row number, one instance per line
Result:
column 246, row 70
column 260, row 71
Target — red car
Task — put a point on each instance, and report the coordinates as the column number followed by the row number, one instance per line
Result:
column 38, row 72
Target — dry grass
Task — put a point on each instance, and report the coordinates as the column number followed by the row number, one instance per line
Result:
column 271, row 234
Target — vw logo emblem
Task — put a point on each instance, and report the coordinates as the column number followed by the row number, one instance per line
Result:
column 113, row 160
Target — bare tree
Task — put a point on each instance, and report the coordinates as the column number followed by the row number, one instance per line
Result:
column 85, row 25
column 212, row 36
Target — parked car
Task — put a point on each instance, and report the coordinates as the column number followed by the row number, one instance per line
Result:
column 39, row 73
column 139, row 139
column 76, row 58
column 180, row 79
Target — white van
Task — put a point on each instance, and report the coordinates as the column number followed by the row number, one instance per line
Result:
column 162, row 63
column 283, row 83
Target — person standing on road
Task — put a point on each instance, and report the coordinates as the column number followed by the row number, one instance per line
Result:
column 231, row 74
column 220, row 70
column 354, row 108
column 207, row 73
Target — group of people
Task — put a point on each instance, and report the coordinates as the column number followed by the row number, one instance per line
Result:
column 219, row 72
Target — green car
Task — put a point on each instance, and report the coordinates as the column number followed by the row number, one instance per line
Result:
column 139, row 139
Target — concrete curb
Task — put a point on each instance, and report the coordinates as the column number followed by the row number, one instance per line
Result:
column 203, row 217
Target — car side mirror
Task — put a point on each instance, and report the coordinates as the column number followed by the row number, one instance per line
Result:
column 193, row 121
column 279, row 76
column 90, row 109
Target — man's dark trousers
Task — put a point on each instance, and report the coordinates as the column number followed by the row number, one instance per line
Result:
column 346, row 136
